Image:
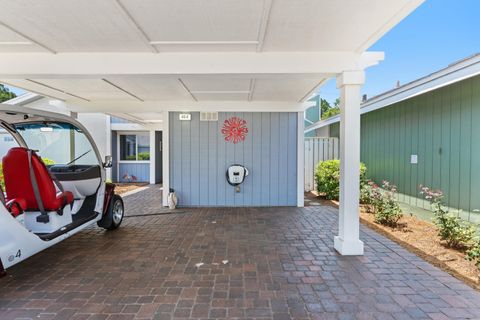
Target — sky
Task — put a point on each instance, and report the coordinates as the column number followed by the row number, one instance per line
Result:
column 437, row 34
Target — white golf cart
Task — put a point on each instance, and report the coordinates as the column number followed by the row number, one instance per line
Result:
column 54, row 184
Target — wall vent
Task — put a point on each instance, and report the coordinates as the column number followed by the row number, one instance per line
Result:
column 208, row 116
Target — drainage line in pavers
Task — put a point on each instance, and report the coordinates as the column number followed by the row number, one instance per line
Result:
column 154, row 214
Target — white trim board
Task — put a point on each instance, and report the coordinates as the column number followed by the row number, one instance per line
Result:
column 300, row 161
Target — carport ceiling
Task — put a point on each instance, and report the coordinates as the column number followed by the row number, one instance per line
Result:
column 203, row 50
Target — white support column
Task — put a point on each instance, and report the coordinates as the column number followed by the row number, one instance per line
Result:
column 152, row 156
column 166, row 157
column 348, row 242
column 300, row 160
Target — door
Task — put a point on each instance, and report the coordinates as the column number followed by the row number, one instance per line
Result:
column 158, row 157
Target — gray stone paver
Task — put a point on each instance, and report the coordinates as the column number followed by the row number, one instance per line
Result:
column 281, row 265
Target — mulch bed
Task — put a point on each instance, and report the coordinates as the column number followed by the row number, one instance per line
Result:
column 420, row 237
column 125, row 187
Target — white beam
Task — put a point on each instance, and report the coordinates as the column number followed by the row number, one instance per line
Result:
column 166, row 159
column 42, row 65
column 348, row 242
column 108, row 144
column 153, row 160
column 122, row 106
column 300, row 160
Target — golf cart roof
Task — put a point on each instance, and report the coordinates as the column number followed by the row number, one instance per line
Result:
column 12, row 116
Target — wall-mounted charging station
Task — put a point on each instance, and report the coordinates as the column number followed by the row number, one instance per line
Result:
column 236, row 174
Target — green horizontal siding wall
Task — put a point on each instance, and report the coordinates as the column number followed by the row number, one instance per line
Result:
column 442, row 127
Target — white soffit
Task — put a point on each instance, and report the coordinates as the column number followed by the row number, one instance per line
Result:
column 89, row 89
column 346, row 25
column 72, row 26
column 11, row 41
column 197, row 25
column 294, row 89
column 188, row 50
column 152, row 87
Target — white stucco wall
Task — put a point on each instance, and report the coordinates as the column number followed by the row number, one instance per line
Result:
column 98, row 126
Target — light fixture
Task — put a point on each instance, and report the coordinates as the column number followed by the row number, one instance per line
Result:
column 153, row 121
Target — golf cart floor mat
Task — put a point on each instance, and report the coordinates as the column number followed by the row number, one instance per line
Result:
column 88, row 206
column 65, row 229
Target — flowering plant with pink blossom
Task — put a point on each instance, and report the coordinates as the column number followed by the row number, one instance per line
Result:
column 387, row 210
column 369, row 195
column 382, row 202
column 452, row 230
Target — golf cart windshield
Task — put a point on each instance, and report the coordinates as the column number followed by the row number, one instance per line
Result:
column 58, row 143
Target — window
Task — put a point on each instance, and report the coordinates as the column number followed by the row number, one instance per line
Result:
column 8, row 139
column 135, row 147
column 58, row 143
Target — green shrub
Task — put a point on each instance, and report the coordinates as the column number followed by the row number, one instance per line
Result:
column 144, row 156
column 327, row 177
column 455, row 232
column 48, row 162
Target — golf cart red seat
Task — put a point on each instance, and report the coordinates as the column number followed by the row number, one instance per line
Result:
column 19, row 183
column 15, row 206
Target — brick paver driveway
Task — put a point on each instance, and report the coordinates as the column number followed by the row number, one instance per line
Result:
column 268, row 263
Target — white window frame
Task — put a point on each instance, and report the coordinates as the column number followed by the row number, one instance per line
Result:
column 131, row 133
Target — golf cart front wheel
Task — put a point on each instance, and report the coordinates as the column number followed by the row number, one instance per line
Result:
column 114, row 217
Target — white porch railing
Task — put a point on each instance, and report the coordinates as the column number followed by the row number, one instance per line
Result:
column 316, row 150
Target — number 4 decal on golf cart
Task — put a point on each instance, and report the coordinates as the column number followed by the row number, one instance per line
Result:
column 17, row 255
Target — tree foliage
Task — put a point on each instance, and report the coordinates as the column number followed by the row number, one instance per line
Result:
column 6, row 94
column 329, row 110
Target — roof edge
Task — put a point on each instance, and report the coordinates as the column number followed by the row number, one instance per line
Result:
column 455, row 72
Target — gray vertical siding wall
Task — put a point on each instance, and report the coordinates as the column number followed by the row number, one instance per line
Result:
column 140, row 170
column 199, row 158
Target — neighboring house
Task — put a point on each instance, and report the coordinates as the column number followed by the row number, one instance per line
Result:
column 129, row 143
column 313, row 114
column 425, row 133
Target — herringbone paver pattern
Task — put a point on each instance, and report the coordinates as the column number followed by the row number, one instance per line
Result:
column 258, row 263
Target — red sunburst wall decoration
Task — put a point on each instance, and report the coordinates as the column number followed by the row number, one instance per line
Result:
column 234, row 130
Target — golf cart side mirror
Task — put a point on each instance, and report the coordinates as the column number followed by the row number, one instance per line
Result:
column 108, row 162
